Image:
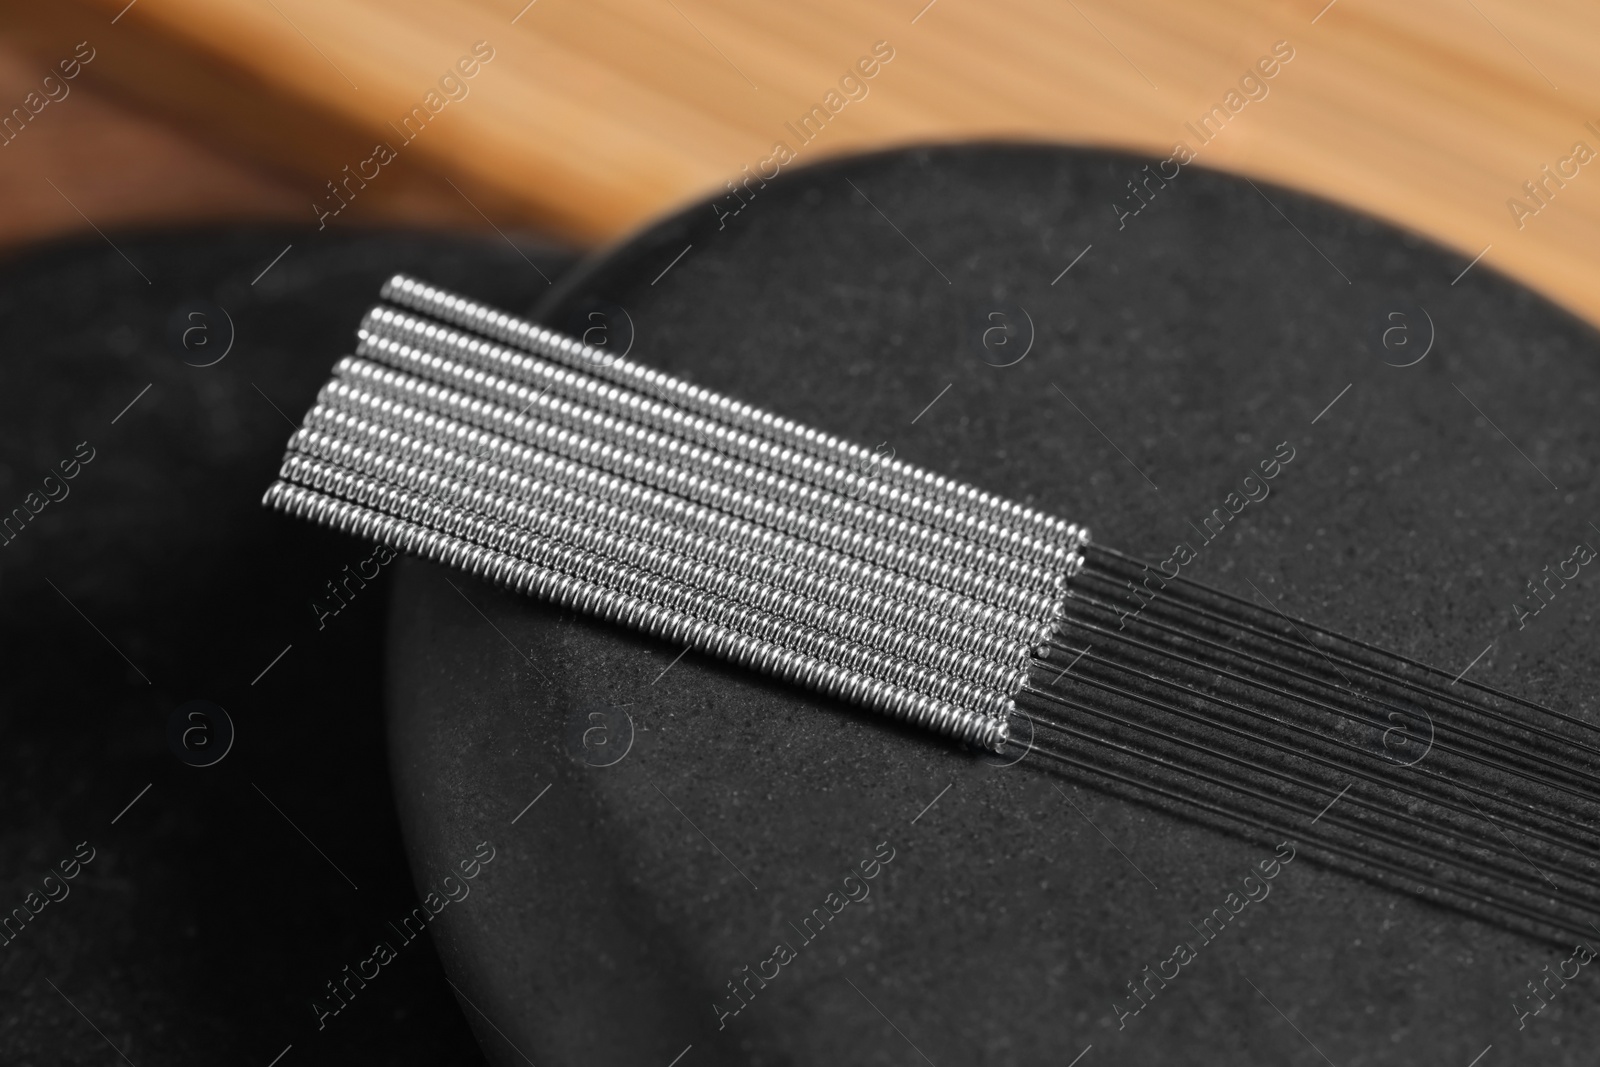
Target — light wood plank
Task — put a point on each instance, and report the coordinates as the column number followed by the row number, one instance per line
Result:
column 598, row 115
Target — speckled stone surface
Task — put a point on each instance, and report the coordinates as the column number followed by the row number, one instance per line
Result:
column 1183, row 344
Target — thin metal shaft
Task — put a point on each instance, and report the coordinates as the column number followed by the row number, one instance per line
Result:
column 1333, row 657
column 1362, row 859
column 1366, row 830
column 1374, row 649
column 1387, row 782
column 1444, row 746
column 1194, row 635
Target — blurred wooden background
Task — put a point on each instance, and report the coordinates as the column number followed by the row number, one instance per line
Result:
column 595, row 116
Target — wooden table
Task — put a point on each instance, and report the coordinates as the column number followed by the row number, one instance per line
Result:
column 589, row 118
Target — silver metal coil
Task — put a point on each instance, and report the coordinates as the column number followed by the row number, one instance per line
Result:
column 385, row 328
column 481, row 457
column 660, row 578
column 620, row 491
column 913, row 664
column 562, row 515
column 367, row 388
column 659, row 518
column 701, row 633
column 497, row 325
column 403, row 359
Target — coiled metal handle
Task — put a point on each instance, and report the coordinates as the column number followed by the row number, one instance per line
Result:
column 955, row 675
column 482, row 458
column 648, row 604
column 390, row 337
column 370, row 385
column 409, row 364
column 620, row 491
column 498, row 325
column 842, row 581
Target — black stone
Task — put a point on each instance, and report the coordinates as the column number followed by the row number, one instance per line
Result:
column 205, row 925
column 1178, row 351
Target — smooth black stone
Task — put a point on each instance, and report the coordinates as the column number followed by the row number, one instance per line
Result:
column 1191, row 339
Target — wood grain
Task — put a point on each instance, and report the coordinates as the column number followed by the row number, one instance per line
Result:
column 594, row 117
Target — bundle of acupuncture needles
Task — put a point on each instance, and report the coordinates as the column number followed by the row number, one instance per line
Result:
column 461, row 434
column 458, row 433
